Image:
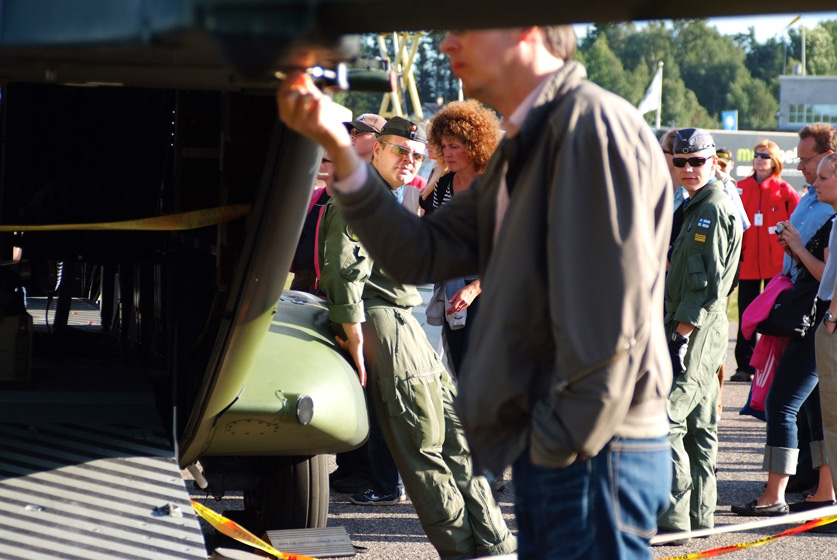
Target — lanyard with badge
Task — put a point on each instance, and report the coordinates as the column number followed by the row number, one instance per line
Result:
column 758, row 219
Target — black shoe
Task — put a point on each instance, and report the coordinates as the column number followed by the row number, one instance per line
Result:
column 742, row 376
column 809, row 504
column 372, row 498
column 676, row 542
column 352, row 484
column 752, row 509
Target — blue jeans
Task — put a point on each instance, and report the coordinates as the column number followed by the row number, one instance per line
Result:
column 794, row 380
column 385, row 476
column 603, row 508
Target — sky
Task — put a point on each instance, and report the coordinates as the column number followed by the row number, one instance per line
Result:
column 766, row 26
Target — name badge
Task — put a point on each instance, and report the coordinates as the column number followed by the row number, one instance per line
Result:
column 758, row 219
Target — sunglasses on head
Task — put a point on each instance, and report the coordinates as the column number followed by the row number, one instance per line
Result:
column 401, row 151
column 692, row 161
column 761, row 155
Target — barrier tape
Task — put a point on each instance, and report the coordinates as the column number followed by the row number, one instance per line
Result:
column 171, row 222
column 242, row 535
column 812, row 519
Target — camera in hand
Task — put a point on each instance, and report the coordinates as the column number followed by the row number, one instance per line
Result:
column 780, row 227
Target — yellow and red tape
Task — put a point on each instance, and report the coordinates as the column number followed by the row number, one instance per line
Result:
column 734, row 547
column 235, row 531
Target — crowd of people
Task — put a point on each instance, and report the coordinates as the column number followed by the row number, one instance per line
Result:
column 597, row 380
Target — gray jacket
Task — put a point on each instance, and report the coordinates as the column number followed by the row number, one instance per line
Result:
column 569, row 351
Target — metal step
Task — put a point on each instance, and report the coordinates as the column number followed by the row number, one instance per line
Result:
column 93, row 493
column 325, row 542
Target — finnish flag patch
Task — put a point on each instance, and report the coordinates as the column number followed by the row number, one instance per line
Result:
column 704, row 223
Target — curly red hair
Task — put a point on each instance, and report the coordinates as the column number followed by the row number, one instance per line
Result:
column 473, row 124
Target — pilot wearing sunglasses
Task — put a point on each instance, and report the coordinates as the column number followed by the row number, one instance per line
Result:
column 704, row 261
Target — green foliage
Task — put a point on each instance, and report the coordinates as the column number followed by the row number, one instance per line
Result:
column 704, row 72
column 821, row 56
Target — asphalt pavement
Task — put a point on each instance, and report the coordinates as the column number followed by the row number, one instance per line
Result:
column 393, row 532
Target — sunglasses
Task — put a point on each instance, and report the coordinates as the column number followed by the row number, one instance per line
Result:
column 692, row 161
column 761, row 155
column 401, row 151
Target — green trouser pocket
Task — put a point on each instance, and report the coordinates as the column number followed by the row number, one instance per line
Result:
column 411, row 381
column 416, row 402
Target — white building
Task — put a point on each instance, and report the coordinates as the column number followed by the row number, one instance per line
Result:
column 805, row 100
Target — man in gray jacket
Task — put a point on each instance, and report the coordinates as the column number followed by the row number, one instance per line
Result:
column 567, row 374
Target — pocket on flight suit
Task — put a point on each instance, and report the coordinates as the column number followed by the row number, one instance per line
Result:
column 414, row 393
column 697, row 272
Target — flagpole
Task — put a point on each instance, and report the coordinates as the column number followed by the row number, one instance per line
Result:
column 660, row 103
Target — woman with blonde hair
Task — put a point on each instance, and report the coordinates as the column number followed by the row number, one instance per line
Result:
column 768, row 200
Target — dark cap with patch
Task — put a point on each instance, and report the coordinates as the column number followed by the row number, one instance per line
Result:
column 724, row 153
column 399, row 126
column 690, row 140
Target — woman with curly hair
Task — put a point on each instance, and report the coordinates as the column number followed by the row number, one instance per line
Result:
column 465, row 133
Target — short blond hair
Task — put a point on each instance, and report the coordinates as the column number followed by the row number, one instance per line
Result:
column 773, row 149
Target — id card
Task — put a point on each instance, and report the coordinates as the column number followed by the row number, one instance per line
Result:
column 758, row 219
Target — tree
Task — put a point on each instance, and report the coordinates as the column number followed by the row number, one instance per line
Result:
column 820, row 52
column 756, row 104
column 605, row 68
column 710, row 62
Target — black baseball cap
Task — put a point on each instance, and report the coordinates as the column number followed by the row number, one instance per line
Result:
column 399, row 126
column 690, row 140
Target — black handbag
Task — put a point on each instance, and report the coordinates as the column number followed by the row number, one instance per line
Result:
column 793, row 312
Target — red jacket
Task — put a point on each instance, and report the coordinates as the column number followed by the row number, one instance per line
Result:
column 761, row 254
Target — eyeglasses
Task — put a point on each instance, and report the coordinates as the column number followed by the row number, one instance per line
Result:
column 401, row 151
column 354, row 133
column 804, row 161
column 692, row 161
column 761, row 155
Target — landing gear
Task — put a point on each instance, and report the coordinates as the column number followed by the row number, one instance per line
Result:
column 292, row 494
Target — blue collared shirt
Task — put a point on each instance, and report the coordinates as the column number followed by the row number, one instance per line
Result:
column 808, row 217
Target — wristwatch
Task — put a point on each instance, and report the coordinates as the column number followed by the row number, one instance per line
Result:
column 829, row 318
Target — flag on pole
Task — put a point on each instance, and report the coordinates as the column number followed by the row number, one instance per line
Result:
column 654, row 95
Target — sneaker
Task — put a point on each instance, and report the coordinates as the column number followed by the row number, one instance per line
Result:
column 743, row 376
column 372, row 498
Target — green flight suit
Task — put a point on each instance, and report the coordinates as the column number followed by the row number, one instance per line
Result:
column 412, row 397
column 704, row 262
